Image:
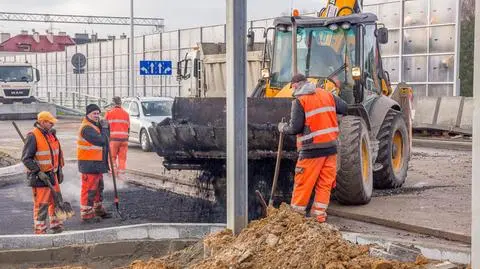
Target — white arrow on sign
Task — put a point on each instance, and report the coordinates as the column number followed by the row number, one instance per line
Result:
column 152, row 66
column 160, row 66
column 167, row 70
column 144, row 69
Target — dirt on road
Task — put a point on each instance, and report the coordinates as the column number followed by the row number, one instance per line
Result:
column 284, row 239
column 7, row 160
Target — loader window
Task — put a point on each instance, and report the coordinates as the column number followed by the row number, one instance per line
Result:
column 370, row 59
column 282, row 59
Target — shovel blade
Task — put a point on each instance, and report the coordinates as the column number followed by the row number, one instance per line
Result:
column 64, row 211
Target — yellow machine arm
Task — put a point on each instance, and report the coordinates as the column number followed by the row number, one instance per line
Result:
column 336, row 8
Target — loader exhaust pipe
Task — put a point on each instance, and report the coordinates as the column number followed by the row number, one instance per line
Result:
column 294, row 46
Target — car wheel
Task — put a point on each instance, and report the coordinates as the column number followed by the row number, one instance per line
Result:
column 145, row 141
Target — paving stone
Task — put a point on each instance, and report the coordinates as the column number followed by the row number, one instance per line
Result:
column 406, row 253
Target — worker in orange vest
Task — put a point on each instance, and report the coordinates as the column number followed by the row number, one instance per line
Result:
column 314, row 121
column 92, row 156
column 119, row 122
column 43, row 158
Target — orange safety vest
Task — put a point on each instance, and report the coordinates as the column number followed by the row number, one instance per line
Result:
column 119, row 122
column 48, row 155
column 321, row 126
column 86, row 151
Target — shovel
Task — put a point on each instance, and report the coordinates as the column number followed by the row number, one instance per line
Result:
column 115, row 192
column 275, row 177
column 63, row 210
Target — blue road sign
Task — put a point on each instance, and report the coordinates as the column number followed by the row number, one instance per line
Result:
column 148, row 68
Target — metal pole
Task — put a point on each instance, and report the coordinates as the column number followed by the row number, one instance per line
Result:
column 475, row 252
column 237, row 213
column 132, row 53
column 456, row 68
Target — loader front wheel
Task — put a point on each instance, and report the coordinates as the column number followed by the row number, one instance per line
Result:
column 393, row 152
column 354, row 176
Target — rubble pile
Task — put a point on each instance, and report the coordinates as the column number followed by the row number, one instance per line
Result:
column 284, row 239
column 6, row 160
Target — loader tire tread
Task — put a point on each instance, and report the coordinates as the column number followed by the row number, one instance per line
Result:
column 350, row 188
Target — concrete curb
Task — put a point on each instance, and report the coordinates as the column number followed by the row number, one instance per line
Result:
column 154, row 231
column 442, row 144
column 439, row 252
column 12, row 174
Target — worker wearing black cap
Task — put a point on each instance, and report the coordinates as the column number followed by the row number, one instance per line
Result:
column 313, row 119
column 92, row 155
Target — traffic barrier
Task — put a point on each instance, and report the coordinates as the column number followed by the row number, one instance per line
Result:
column 449, row 114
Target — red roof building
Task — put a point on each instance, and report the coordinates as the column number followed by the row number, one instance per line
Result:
column 36, row 43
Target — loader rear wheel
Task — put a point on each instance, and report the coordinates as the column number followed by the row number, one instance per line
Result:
column 354, row 177
column 393, row 152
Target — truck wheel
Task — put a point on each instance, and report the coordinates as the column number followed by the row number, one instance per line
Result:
column 145, row 141
column 393, row 152
column 354, row 177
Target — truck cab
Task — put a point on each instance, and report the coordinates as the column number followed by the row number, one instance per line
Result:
column 18, row 82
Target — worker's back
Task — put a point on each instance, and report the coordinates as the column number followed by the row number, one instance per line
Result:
column 119, row 122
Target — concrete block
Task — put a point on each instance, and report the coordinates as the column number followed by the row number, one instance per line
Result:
column 466, row 120
column 160, row 231
column 68, row 239
column 217, row 228
column 193, row 231
column 351, row 237
column 406, row 253
column 113, row 249
column 132, row 233
column 380, row 253
column 180, row 244
column 25, row 241
column 424, row 110
column 101, row 235
column 19, row 111
column 448, row 111
column 66, row 254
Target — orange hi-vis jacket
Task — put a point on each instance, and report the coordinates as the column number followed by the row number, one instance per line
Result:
column 85, row 150
column 48, row 155
column 321, row 126
column 119, row 122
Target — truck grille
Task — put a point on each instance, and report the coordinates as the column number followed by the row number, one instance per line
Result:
column 16, row 92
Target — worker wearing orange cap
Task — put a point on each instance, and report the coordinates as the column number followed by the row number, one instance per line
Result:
column 119, row 122
column 43, row 158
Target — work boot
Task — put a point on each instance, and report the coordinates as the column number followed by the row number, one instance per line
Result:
column 55, row 230
column 102, row 213
column 91, row 220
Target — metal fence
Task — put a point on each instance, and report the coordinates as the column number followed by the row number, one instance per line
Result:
column 422, row 50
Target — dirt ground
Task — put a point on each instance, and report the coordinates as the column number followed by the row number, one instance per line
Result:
column 282, row 240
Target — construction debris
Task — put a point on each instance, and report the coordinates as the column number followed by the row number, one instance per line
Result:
column 284, row 239
column 6, row 160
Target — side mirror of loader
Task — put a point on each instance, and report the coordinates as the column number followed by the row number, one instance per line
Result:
column 382, row 35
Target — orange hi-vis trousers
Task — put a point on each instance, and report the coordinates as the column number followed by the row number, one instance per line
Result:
column 43, row 206
column 318, row 173
column 91, row 196
column 119, row 150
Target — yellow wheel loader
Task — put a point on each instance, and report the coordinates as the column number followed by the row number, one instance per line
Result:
column 339, row 50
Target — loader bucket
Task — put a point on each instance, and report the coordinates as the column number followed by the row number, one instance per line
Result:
column 197, row 129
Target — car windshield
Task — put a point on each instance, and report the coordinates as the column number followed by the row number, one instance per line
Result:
column 16, row 74
column 320, row 52
column 157, row 108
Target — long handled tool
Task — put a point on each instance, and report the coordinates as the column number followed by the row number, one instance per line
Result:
column 63, row 210
column 115, row 192
column 277, row 166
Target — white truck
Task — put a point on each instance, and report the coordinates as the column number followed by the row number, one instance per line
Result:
column 18, row 82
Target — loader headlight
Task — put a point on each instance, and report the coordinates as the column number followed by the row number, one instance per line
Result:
column 333, row 27
column 346, row 26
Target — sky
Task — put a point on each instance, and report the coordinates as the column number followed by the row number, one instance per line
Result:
column 178, row 14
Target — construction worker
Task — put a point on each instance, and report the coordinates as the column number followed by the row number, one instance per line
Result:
column 119, row 122
column 43, row 158
column 314, row 121
column 92, row 155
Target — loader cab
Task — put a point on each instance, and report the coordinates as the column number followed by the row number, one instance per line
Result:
column 341, row 54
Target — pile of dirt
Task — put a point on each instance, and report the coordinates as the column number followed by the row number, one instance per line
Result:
column 284, row 239
column 6, row 160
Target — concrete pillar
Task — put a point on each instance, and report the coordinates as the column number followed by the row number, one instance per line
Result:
column 476, row 146
column 237, row 213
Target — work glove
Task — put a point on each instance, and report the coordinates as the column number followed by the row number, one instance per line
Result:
column 104, row 124
column 43, row 177
column 281, row 126
column 60, row 176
